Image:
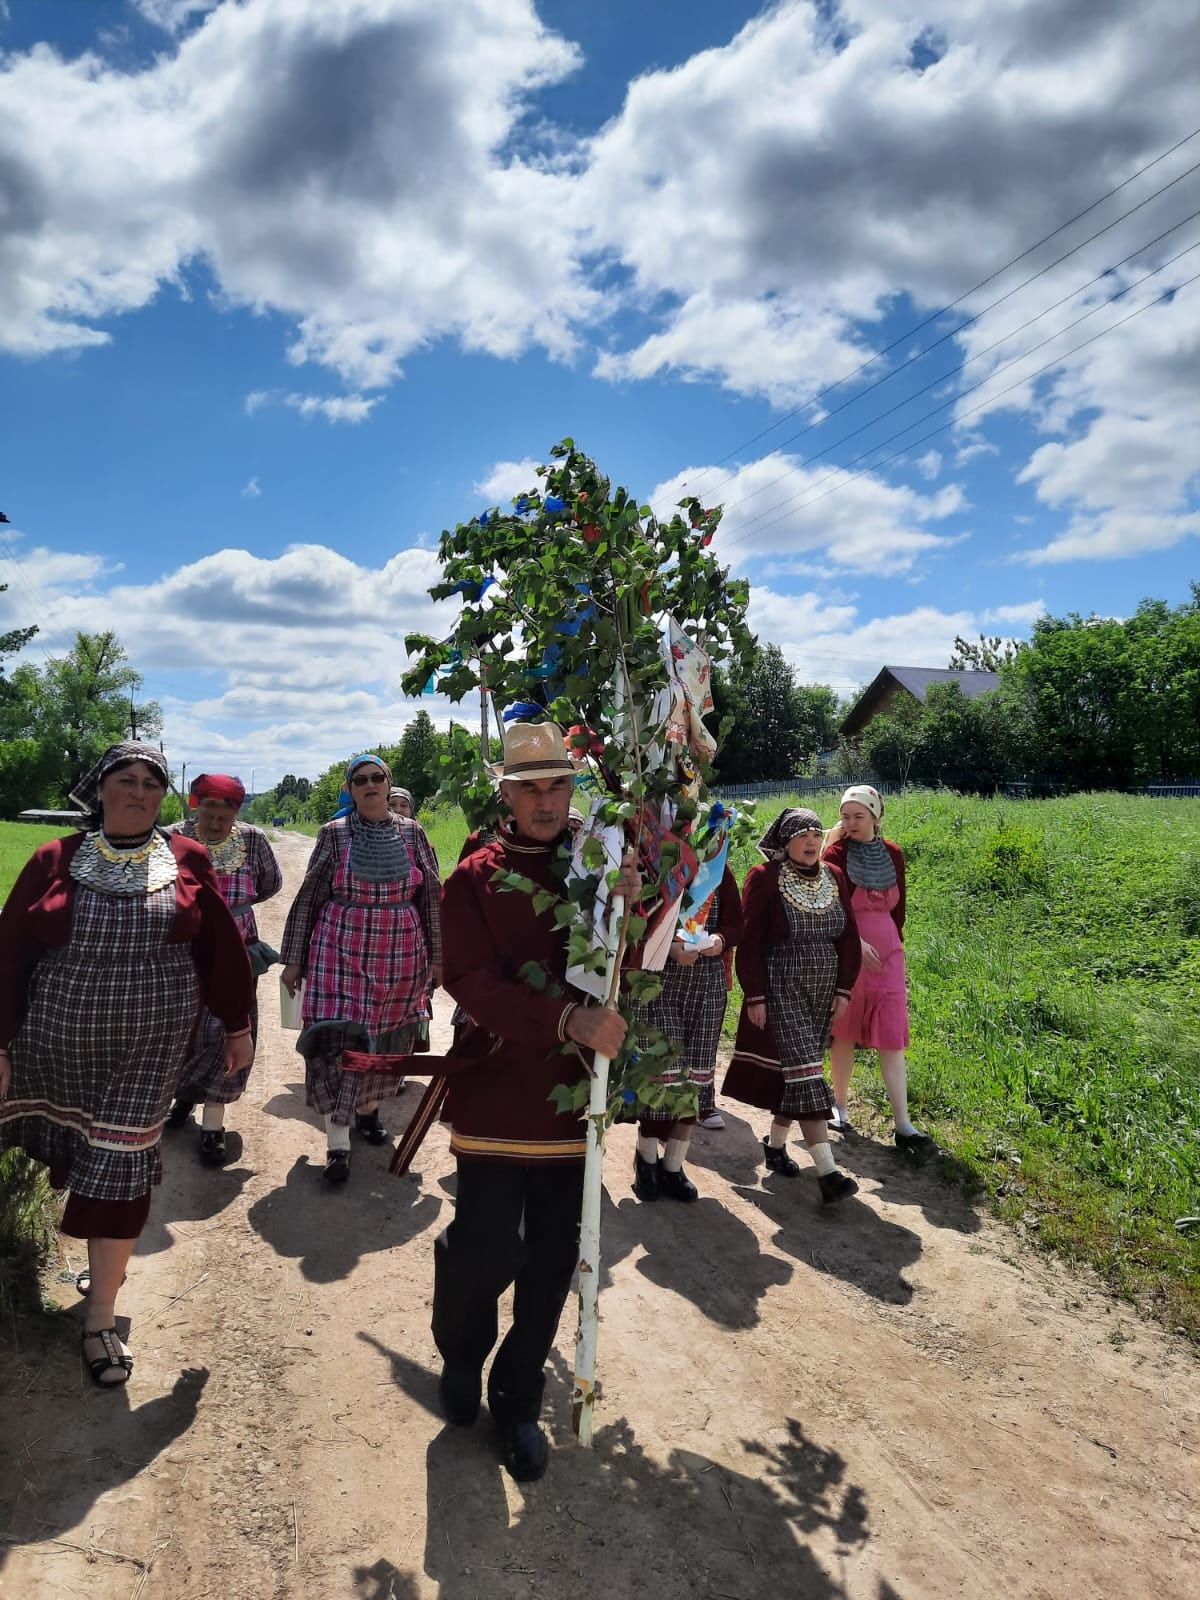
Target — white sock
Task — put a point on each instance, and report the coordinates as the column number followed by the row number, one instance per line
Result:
column 337, row 1134
column 822, row 1157
column 779, row 1133
column 647, row 1147
column 212, row 1118
column 676, row 1150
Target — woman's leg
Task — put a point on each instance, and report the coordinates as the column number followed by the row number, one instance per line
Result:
column 835, row 1185
column 107, row 1260
column 894, row 1069
column 777, row 1138
column 841, row 1066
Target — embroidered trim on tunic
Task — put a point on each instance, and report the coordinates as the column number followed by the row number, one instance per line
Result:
column 814, row 895
column 378, row 852
column 869, row 864
column 103, row 867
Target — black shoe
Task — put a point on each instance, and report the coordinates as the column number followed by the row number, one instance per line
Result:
column 836, row 1186
column 212, row 1146
column 676, row 1185
column 915, row 1145
column 525, row 1451
column 461, row 1392
column 646, row 1178
column 779, row 1161
column 370, row 1128
column 337, row 1166
column 180, row 1114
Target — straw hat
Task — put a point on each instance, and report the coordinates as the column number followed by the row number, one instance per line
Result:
column 534, row 750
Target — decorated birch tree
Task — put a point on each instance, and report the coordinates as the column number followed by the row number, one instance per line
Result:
column 582, row 606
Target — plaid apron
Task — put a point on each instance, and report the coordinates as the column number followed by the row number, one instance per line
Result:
column 801, row 984
column 204, row 1077
column 98, row 1056
column 690, row 1011
column 366, row 987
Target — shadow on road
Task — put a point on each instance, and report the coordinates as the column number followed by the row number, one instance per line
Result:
column 850, row 1241
column 614, row 1520
column 329, row 1230
column 63, row 1453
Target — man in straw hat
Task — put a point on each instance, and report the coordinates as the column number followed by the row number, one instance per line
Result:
column 520, row 1160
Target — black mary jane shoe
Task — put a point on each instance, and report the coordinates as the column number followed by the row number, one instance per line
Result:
column 646, row 1178
column 113, row 1359
column 778, row 1160
column 525, row 1452
column 836, row 1186
column 180, row 1114
column 212, row 1146
column 676, row 1185
column 461, row 1392
column 369, row 1127
column 337, row 1166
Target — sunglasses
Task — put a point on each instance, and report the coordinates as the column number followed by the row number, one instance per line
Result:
column 364, row 778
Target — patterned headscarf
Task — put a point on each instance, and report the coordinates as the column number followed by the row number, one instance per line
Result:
column 345, row 799
column 405, row 794
column 789, row 822
column 862, row 794
column 86, row 793
column 216, row 786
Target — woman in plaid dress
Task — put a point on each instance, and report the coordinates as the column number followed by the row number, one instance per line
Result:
column 248, row 874
column 365, row 936
column 110, row 942
column 690, row 1012
column 797, row 962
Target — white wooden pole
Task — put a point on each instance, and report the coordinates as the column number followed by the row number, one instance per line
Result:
column 584, row 1396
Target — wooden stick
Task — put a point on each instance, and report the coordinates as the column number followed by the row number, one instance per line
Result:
column 583, row 1402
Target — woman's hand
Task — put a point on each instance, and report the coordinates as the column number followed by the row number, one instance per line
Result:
column 871, row 958
column 292, row 977
column 436, row 970
column 840, row 1002
column 757, row 1013
column 684, row 955
column 239, row 1053
column 5, row 1075
column 717, row 948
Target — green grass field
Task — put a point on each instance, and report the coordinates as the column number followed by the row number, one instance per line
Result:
column 1054, row 966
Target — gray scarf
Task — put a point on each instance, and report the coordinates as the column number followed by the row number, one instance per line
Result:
column 870, row 866
column 378, row 852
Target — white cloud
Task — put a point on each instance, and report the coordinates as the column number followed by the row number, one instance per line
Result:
column 253, row 490
column 827, row 643
column 304, row 652
column 334, row 408
column 257, row 399
column 347, row 165
column 930, row 464
column 798, row 517
column 506, row 480
column 172, row 15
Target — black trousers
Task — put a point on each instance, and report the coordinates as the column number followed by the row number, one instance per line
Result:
column 483, row 1251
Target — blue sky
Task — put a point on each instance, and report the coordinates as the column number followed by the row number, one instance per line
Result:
column 268, row 324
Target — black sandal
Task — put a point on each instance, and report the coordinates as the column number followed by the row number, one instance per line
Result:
column 778, row 1160
column 368, row 1126
column 113, row 1360
column 83, row 1281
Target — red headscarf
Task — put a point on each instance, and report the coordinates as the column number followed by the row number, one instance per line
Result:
column 216, row 786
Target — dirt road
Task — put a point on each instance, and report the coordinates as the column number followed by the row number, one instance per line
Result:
column 898, row 1401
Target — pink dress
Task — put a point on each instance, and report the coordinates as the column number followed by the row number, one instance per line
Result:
column 877, row 1016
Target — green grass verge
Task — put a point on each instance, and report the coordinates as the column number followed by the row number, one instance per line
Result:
column 27, row 1206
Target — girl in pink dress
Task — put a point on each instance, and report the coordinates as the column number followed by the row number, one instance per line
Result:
column 877, row 1016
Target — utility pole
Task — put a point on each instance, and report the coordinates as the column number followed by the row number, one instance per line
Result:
column 132, row 719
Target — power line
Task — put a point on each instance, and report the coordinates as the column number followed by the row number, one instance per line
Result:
column 978, row 356
column 966, row 294
column 1024, row 284
column 1167, row 294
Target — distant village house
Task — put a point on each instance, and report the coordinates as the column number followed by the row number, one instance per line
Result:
column 893, row 684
